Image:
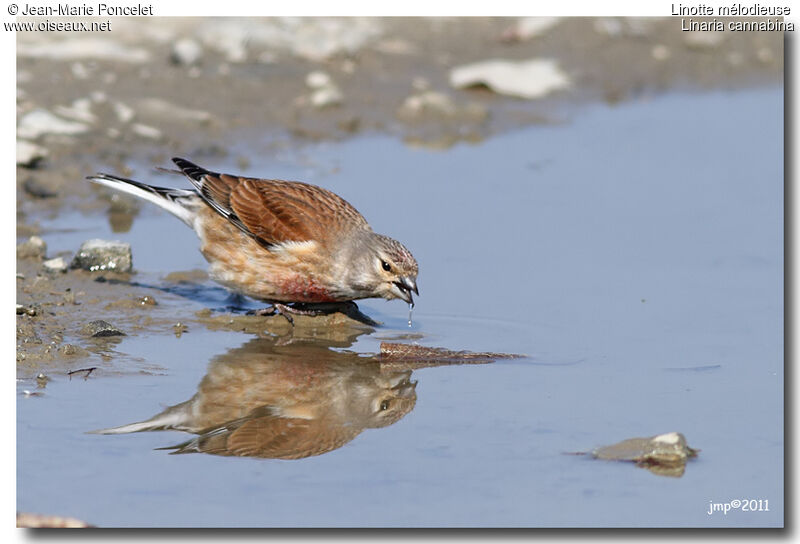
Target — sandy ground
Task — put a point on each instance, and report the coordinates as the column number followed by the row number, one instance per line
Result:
column 155, row 88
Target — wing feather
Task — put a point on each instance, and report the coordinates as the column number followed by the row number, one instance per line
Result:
column 274, row 211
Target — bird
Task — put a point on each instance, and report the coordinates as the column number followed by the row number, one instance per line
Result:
column 266, row 400
column 299, row 247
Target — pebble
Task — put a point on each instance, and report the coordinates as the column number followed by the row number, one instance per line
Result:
column 325, row 91
column 97, row 254
column 186, row 52
column 529, row 79
column 83, row 48
column 40, row 188
column 124, row 113
column 31, row 310
column 161, row 108
column 79, row 70
column 425, row 102
column 100, row 328
column 40, row 121
column 34, row 247
column 55, row 266
column 29, row 154
column 327, row 96
column 80, row 110
column 71, row 350
column 318, row 79
column 146, row 131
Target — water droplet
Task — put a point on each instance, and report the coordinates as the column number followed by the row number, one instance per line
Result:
column 410, row 309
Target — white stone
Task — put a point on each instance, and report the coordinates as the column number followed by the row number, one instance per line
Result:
column 146, row 131
column 668, row 438
column 161, row 108
column 525, row 79
column 39, row 122
column 83, row 48
column 80, row 110
column 79, row 70
column 326, row 96
column 318, row 79
column 55, row 265
column 123, row 112
column 186, row 51
column 28, row 153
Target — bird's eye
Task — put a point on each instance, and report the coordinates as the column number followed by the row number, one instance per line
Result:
column 386, row 266
column 384, row 405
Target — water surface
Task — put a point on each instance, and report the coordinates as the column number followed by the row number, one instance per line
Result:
column 633, row 253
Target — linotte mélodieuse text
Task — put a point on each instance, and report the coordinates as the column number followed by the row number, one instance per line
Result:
column 734, row 10
column 86, row 10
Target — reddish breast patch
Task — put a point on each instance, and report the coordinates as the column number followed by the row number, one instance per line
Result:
column 303, row 289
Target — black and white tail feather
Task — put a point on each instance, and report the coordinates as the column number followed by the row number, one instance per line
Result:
column 182, row 203
column 178, row 202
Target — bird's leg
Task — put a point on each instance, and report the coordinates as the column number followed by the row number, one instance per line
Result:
column 350, row 309
column 285, row 310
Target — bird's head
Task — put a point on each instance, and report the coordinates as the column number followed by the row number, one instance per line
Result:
column 376, row 266
column 393, row 269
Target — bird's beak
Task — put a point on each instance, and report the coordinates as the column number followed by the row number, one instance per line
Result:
column 405, row 285
column 405, row 387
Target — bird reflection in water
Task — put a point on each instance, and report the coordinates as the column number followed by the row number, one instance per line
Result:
column 285, row 402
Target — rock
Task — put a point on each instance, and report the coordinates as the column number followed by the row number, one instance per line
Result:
column 318, row 79
column 529, row 27
column 327, row 96
column 31, row 310
column 525, row 79
column 38, row 188
column 55, row 266
column 186, row 52
column 325, row 92
column 83, row 48
column 34, row 247
column 159, row 108
column 80, row 110
column 427, row 102
column 146, row 131
column 101, row 328
column 71, row 350
column 664, row 454
column 29, row 154
column 39, row 122
column 79, row 70
column 96, row 254
column 124, row 113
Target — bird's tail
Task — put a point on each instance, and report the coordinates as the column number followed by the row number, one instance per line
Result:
column 175, row 201
column 173, row 418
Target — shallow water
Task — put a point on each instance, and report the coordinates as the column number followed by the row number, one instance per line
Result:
column 634, row 254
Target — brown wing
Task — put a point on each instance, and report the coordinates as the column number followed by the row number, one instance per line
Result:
column 274, row 211
column 273, row 437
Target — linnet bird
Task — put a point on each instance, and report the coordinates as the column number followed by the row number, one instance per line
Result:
column 299, row 247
